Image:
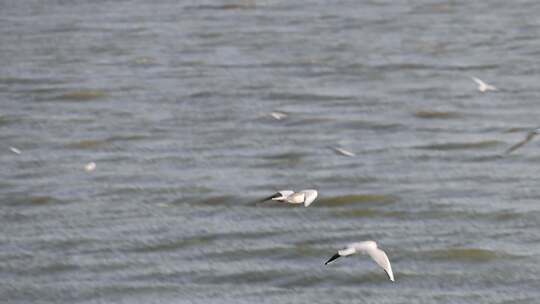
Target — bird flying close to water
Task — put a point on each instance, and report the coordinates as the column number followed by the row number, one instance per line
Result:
column 15, row 150
column 370, row 248
column 527, row 139
column 482, row 86
column 342, row 151
column 277, row 115
column 305, row 197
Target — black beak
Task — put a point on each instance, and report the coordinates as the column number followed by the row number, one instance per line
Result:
column 270, row 197
column 335, row 256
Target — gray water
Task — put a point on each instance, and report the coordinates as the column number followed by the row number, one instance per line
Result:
column 171, row 100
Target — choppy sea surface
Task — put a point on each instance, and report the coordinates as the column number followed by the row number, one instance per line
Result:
column 172, row 101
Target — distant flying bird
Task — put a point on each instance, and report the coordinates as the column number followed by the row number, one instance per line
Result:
column 482, row 86
column 370, row 248
column 342, row 151
column 278, row 115
column 527, row 139
column 15, row 150
column 91, row 166
column 305, row 197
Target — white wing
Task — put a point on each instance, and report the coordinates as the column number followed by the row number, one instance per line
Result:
column 310, row 196
column 296, row 198
column 381, row 259
column 478, row 81
column 343, row 151
column 278, row 115
column 15, row 150
column 285, row 193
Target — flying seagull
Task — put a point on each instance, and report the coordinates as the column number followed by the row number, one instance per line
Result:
column 91, row 166
column 342, row 151
column 527, row 139
column 370, row 248
column 482, row 86
column 305, row 197
column 15, row 150
column 278, row 115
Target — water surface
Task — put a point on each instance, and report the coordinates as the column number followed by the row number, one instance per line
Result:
column 172, row 101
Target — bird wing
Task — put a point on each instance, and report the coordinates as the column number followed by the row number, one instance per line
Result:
column 275, row 195
column 278, row 115
column 342, row 151
column 381, row 259
column 286, row 193
column 478, row 81
column 310, row 196
column 280, row 194
column 529, row 137
column 491, row 87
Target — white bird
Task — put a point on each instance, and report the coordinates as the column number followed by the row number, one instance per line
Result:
column 482, row 86
column 15, row 150
column 370, row 248
column 527, row 139
column 305, row 197
column 91, row 166
column 342, row 151
column 278, row 115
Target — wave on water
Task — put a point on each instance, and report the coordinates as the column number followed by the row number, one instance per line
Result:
column 467, row 254
column 436, row 114
column 217, row 200
column 173, row 245
column 362, row 124
column 306, row 96
column 98, row 143
column 283, row 159
column 309, row 121
column 461, row 146
column 82, row 95
column 285, row 156
column 28, row 81
column 369, row 213
column 357, row 199
column 4, row 120
column 34, row 201
column 422, row 66
column 224, row 7
column 86, row 144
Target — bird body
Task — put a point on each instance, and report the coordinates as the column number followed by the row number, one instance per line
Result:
column 482, row 86
column 305, row 197
column 370, row 248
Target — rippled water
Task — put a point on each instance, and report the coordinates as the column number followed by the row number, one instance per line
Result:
column 172, row 101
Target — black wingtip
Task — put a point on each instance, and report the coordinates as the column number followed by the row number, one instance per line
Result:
column 335, row 256
column 270, row 197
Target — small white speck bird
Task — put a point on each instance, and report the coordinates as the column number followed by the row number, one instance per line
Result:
column 482, row 86
column 342, row 151
column 370, row 248
column 278, row 115
column 527, row 139
column 15, row 150
column 305, row 197
column 91, row 166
